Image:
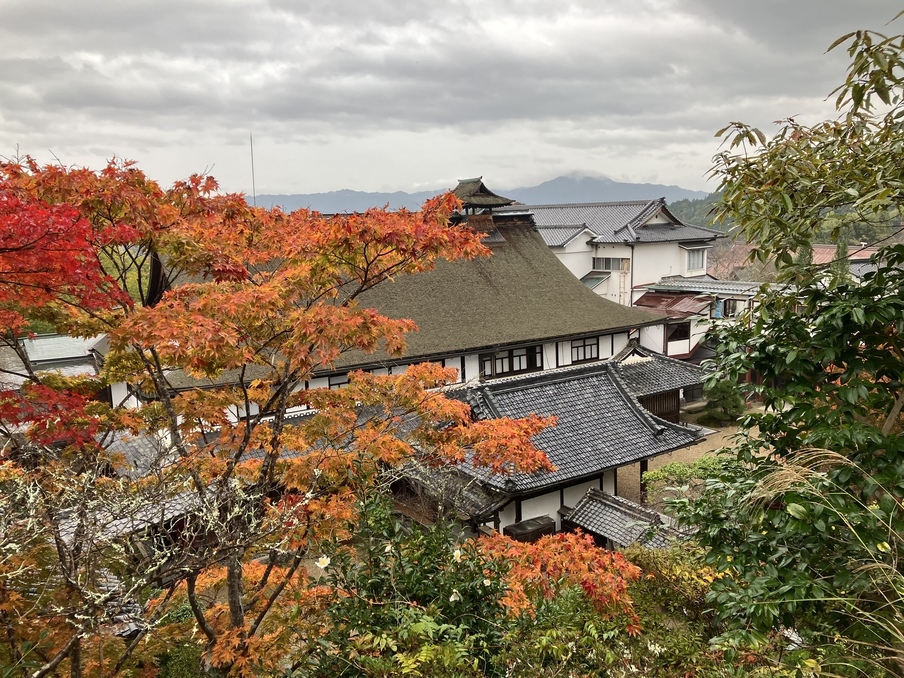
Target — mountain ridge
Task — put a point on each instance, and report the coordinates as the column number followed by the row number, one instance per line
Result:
column 569, row 188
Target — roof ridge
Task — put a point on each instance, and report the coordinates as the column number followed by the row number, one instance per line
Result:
column 553, row 375
column 645, row 416
column 593, row 492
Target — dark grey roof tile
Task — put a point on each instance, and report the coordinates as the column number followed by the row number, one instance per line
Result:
column 599, row 426
column 646, row 372
column 621, row 520
column 620, row 221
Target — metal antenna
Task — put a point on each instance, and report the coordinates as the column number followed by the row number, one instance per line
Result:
column 253, row 188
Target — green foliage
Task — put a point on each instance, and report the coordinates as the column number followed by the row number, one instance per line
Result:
column 699, row 212
column 724, row 402
column 679, row 477
column 804, row 516
column 183, row 660
column 408, row 601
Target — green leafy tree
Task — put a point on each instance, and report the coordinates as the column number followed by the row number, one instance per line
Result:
column 724, row 402
column 805, row 513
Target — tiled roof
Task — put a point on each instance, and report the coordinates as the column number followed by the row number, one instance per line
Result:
column 558, row 236
column 705, row 285
column 620, row 520
column 646, row 372
column 616, row 222
column 599, row 426
column 141, row 453
column 450, row 488
column 675, row 305
column 860, row 268
column 68, row 356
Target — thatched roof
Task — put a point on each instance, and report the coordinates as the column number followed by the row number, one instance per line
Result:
column 474, row 194
column 521, row 294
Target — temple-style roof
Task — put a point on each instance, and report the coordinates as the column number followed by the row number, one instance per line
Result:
column 474, row 194
column 621, row 520
column 646, row 372
column 519, row 295
column 618, row 222
column 599, row 424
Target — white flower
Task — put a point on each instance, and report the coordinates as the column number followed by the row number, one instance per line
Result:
column 388, row 548
column 456, row 596
column 456, row 555
column 323, row 562
column 655, row 648
column 487, row 582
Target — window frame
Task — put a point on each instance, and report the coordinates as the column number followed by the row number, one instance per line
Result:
column 519, row 360
column 610, row 267
column 695, row 252
column 584, row 346
column 678, row 328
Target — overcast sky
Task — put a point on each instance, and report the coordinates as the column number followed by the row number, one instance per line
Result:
column 412, row 94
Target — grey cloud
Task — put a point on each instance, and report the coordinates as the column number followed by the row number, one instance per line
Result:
column 591, row 75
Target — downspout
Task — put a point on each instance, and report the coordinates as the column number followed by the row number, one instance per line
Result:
column 631, row 288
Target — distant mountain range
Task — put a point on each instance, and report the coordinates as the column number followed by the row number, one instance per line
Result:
column 574, row 187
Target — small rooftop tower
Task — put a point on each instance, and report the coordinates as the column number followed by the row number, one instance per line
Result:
column 476, row 197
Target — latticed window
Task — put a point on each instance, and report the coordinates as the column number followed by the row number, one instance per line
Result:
column 512, row 361
column 584, row 349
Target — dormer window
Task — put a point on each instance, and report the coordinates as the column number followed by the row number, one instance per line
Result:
column 696, row 260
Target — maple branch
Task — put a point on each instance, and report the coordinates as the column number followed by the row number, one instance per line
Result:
column 277, row 592
column 893, row 415
column 190, row 583
column 141, row 634
column 59, row 657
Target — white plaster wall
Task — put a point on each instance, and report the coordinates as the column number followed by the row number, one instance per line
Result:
column 472, row 368
column 613, row 250
column 235, row 413
column 619, row 342
column 544, row 505
column 656, row 260
column 507, row 516
column 119, row 393
column 574, row 493
column 682, row 347
column 609, row 482
column 606, row 347
column 580, row 263
column 653, row 338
